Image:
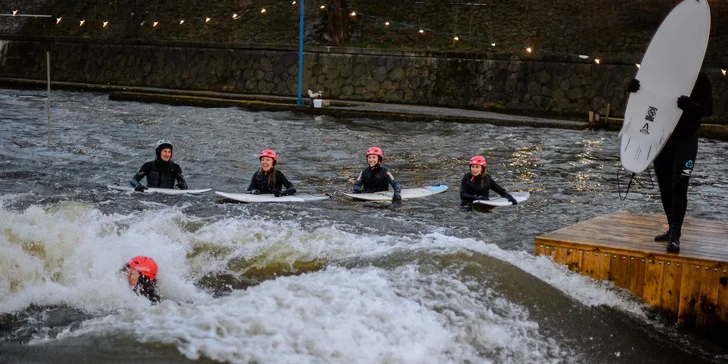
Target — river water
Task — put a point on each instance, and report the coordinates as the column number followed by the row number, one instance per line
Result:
column 329, row 282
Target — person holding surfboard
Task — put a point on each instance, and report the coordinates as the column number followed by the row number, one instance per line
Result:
column 674, row 164
column 376, row 178
column 141, row 273
column 476, row 184
column 161, row 172
column 269, row 180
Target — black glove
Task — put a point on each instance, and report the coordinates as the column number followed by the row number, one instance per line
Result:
column 182, row 185
column 634, row 85
column 510, row 198
column 356, row 189
column 254, row 192
column 276, row 192
column 140, row 187
column 481, row 197
column 397, row 198
column 686, row 103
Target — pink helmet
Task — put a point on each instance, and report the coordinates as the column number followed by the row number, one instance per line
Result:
column 145, row 265
column 268, row 153
column 478, row 161
column 375, row 151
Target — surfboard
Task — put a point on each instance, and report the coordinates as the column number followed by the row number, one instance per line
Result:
column 164, row 191
column 668, row 70
column 406, row 193
column 245, row 197
column 500, row 201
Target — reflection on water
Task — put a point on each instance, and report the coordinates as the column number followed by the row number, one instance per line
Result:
column 335, row 281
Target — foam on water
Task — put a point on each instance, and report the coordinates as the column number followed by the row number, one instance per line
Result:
column 363, row 315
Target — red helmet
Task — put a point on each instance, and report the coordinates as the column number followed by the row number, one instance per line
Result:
column 145, row 265
column 375, row 151
column 478, row 161
column 268, row 153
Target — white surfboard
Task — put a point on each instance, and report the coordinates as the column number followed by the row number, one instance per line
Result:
column 668, row 70
column 500, row 201
column 245, row 197
column 406, row 193
column 164, row 191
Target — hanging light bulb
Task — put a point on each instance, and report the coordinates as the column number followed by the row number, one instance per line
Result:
column 386, row 24
column 293, row 3
column 81, row 24
column 456, row 38
column 207, row 20
column 15, row 12
column 638, row 65
column 323, row 7
column 596, row 60
column 105, row 24
column 422, row 31
column 723, row 71
column 235, row 16
column 353, row 13
column 262, row 11
column 58, row 20
column 181, row 22
column 492, row 44
column 529, row 50
column 155, row 24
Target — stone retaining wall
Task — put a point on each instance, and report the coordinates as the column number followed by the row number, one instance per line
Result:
column 537, row 84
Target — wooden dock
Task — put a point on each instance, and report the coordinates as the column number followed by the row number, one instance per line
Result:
column 691, row 286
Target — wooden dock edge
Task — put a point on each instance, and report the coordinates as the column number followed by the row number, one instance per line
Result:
column 693, row 291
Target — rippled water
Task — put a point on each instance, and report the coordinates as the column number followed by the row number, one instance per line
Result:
column 335, row 281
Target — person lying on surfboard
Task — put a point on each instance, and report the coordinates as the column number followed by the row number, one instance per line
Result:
column 269, row 180
column 161, row 172
column 376, row 178
column 476, row 184
column 141, row 273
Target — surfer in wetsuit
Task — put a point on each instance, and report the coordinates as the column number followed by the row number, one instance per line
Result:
column 268, row 179
column 674, row 165
column 476, row 184
column 141, row 272
column 161, row 172
column 376, row 178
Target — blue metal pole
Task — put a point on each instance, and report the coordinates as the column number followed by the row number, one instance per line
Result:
column 300, row 58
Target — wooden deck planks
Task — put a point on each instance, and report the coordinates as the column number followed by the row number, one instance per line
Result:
column 691, row 286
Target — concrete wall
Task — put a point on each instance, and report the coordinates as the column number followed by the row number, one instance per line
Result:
column 537, row 84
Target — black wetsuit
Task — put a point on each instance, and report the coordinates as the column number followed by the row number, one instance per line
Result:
column 266, row 183
column 674, row 164
column 474, row 188
column 147, row 288
column 375, row 180
column 160, row 174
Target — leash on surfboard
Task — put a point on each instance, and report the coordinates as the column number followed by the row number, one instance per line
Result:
column 632, row 178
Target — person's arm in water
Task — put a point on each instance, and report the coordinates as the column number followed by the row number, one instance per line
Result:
column 136, row 180
column 464, row 195
column 181, row 184
column 397, row 197
column 499, row 190
column 358, row 184
column 290, row 189
column 251, row 186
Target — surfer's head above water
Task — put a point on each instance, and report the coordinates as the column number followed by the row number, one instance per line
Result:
column 477, row 165
column 374, row 156
column 164, row 150
column 141, row 273
column 268, row 159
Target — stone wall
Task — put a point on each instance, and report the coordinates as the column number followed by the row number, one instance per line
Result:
column 537, row 84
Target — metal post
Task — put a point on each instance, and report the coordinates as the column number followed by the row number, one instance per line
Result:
column 300, row 58
column 48, row 99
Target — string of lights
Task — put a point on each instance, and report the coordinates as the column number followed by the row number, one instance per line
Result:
column 387, row 23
